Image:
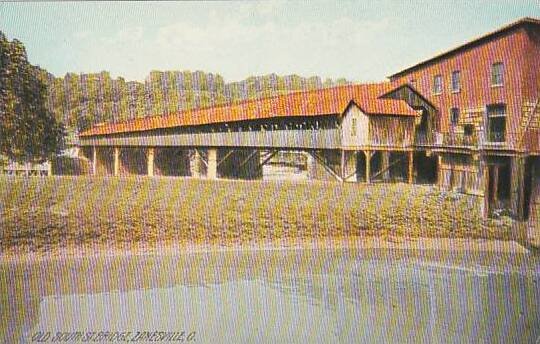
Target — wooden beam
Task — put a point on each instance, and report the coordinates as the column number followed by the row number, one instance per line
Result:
column 202, row 159
column 342, row 165
column 268, row 157
column 245, row 161
column 385, row 162
column 349, row 176
column 411, row 167
column 225, row 157
column 368, row 166
column 347, row 159
column 326, row 167
column 388, row 167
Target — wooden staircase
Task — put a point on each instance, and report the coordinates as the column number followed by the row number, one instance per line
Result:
column 530, row 121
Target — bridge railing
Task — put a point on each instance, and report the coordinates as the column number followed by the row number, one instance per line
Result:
column 512, row 140
column 305, row 138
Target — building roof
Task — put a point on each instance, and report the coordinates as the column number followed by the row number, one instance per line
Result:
column 470, row 44
column 329, row 101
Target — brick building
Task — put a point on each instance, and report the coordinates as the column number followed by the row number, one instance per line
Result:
column 486, row 126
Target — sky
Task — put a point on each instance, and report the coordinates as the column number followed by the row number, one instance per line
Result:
column 361, row 40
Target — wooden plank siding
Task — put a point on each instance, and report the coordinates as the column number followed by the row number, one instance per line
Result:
column 391, row 131
column 306, row 138
column 462, row 173
column 379, row 131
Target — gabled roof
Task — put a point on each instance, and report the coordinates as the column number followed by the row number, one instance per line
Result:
column 329, row 101
column 470, row 44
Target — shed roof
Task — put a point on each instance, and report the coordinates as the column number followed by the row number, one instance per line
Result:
column 329, row 101
column 470, row 44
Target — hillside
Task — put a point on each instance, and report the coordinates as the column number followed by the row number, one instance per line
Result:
column 80, row 100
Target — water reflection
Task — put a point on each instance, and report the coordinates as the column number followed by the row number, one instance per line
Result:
column 302, row 296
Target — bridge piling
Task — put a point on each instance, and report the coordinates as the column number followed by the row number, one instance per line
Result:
column 116, row 161
column 150, row 162
column 211, row 172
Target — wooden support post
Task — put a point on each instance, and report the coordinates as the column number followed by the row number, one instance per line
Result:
column 94, row 160
column 310, row 166
column 150, row 162
column 487, row 195
column 342, row 165
column 385, row 165
column 495, row 184
column 212, row 164
column 411, row 167
column 521, row 203
column 368, row 166
column 116, row 161
column 533, row 193
column 350, row 173
column 195, row 163
column 439, row 171
column 517, row 187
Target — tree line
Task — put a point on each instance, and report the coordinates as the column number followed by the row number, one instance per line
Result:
column 82, row 100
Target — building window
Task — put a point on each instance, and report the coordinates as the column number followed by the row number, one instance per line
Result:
column 353, row 127
column 496, row 126
column 437, row 84
column 497, row 74
column 468, row 129
column 456, row 81
column 410, row 97
column 454, row 116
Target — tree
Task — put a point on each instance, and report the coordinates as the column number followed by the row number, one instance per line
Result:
column 342, row 81
column 28, row 130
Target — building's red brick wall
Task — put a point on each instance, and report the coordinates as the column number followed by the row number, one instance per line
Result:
column 518, row 50
column 531, row 87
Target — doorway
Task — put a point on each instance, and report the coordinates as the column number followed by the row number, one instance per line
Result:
column 499, row 181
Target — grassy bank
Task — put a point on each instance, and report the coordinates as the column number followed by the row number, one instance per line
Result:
column 39, row 214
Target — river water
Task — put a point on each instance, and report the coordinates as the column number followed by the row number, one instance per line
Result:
column 278, row 296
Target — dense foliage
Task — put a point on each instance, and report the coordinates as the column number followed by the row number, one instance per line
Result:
column 28, row 129
column 81, row 100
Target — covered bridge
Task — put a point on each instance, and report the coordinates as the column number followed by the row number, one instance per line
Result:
column 354, row 132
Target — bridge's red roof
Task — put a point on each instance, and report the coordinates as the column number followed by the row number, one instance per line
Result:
column 329, row 101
